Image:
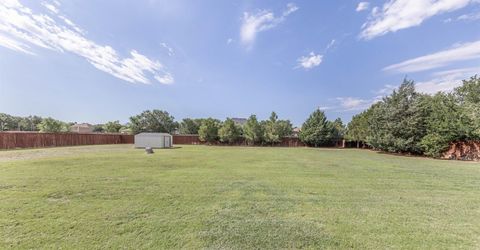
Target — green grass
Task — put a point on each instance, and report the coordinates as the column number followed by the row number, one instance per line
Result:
column 98, row 197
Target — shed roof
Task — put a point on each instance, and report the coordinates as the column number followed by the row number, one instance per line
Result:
column 152, row 134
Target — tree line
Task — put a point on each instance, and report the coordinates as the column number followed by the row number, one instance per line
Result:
column 410, row 122
column 316, row 131
column 405, row 121
column 51, row 125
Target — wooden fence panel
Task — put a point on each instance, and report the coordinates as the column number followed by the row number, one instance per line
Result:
column 11, row 140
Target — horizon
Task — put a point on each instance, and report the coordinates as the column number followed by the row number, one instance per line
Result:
column 94, row 62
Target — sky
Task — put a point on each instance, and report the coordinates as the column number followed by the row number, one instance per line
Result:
column 98, row 61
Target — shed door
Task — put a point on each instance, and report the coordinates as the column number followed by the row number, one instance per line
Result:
column 167, row 141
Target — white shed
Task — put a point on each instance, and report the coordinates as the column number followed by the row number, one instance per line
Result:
column 153, row 140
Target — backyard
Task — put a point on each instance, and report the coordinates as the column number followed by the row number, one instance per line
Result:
column 114, row 196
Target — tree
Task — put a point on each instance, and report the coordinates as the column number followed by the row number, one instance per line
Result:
column 50, row 125
column 112, row 127
column 274, row 130
column 399, row 121
column 339, row 129
column 208, row 131
column 445, row 123
column 316, row 130
column 229, row 132
column 98, row 128
column 252, row 130
column 153, row 121
column 358, row 127
column 285, row 128
column 29, row 123
column 190, row 126
column 468, row 96
column 6, row 122
column 271, row 130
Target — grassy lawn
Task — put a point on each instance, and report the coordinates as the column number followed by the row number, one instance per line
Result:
column 232, row 197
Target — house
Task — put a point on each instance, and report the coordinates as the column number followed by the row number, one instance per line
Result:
column 239, row 121
column 296, row 131
column 83, row 128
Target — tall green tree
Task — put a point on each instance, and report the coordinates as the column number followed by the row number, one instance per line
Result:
column 252, row 130
column 468, row 96
column 445, row 123
column 7, row 122
column 339, row 129
column 285, row 128
column 153, row 121
column 190, row 126
column 317, row 130
column 208, row 131
column 50, row 125
column 229, row 131
column 274, row 130
column 399, row 121
column 112, row 127
column 358, row 127
column 271, row 130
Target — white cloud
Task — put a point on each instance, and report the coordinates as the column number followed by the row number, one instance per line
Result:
column 229, row 40
column 168, row 48
column 50, row 7
column 386, row 90
column 401, row 14
column 263, row 20
column 446, row 81
column 460, row 52
column 362, row 6
column 470, row 17
column 310, row 61
column 331, row 44
column 21, row 28
column 165, row 79
column 353, row 103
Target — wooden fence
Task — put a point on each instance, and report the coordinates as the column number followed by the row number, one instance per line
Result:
column 195, row 140
column 15, row 139
column 11, row 140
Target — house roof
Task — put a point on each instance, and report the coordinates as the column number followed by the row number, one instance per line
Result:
column 240, row 121
column 82, row 125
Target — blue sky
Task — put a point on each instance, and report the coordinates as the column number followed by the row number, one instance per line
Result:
column 96, row 61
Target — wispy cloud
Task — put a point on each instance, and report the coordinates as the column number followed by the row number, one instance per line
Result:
column 253, row 23
column 460, row 52
column 362, row 6
column 353, row 103
column 310, row 61
column 331, row 44
column 401, row 14
column 21, row 30
column 470, row 17
column 50, row 7
column 170, row 51
column 447, row 80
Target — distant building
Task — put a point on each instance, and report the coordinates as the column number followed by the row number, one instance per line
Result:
column 296, row 131
column 239, row 121
column 82, row 128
